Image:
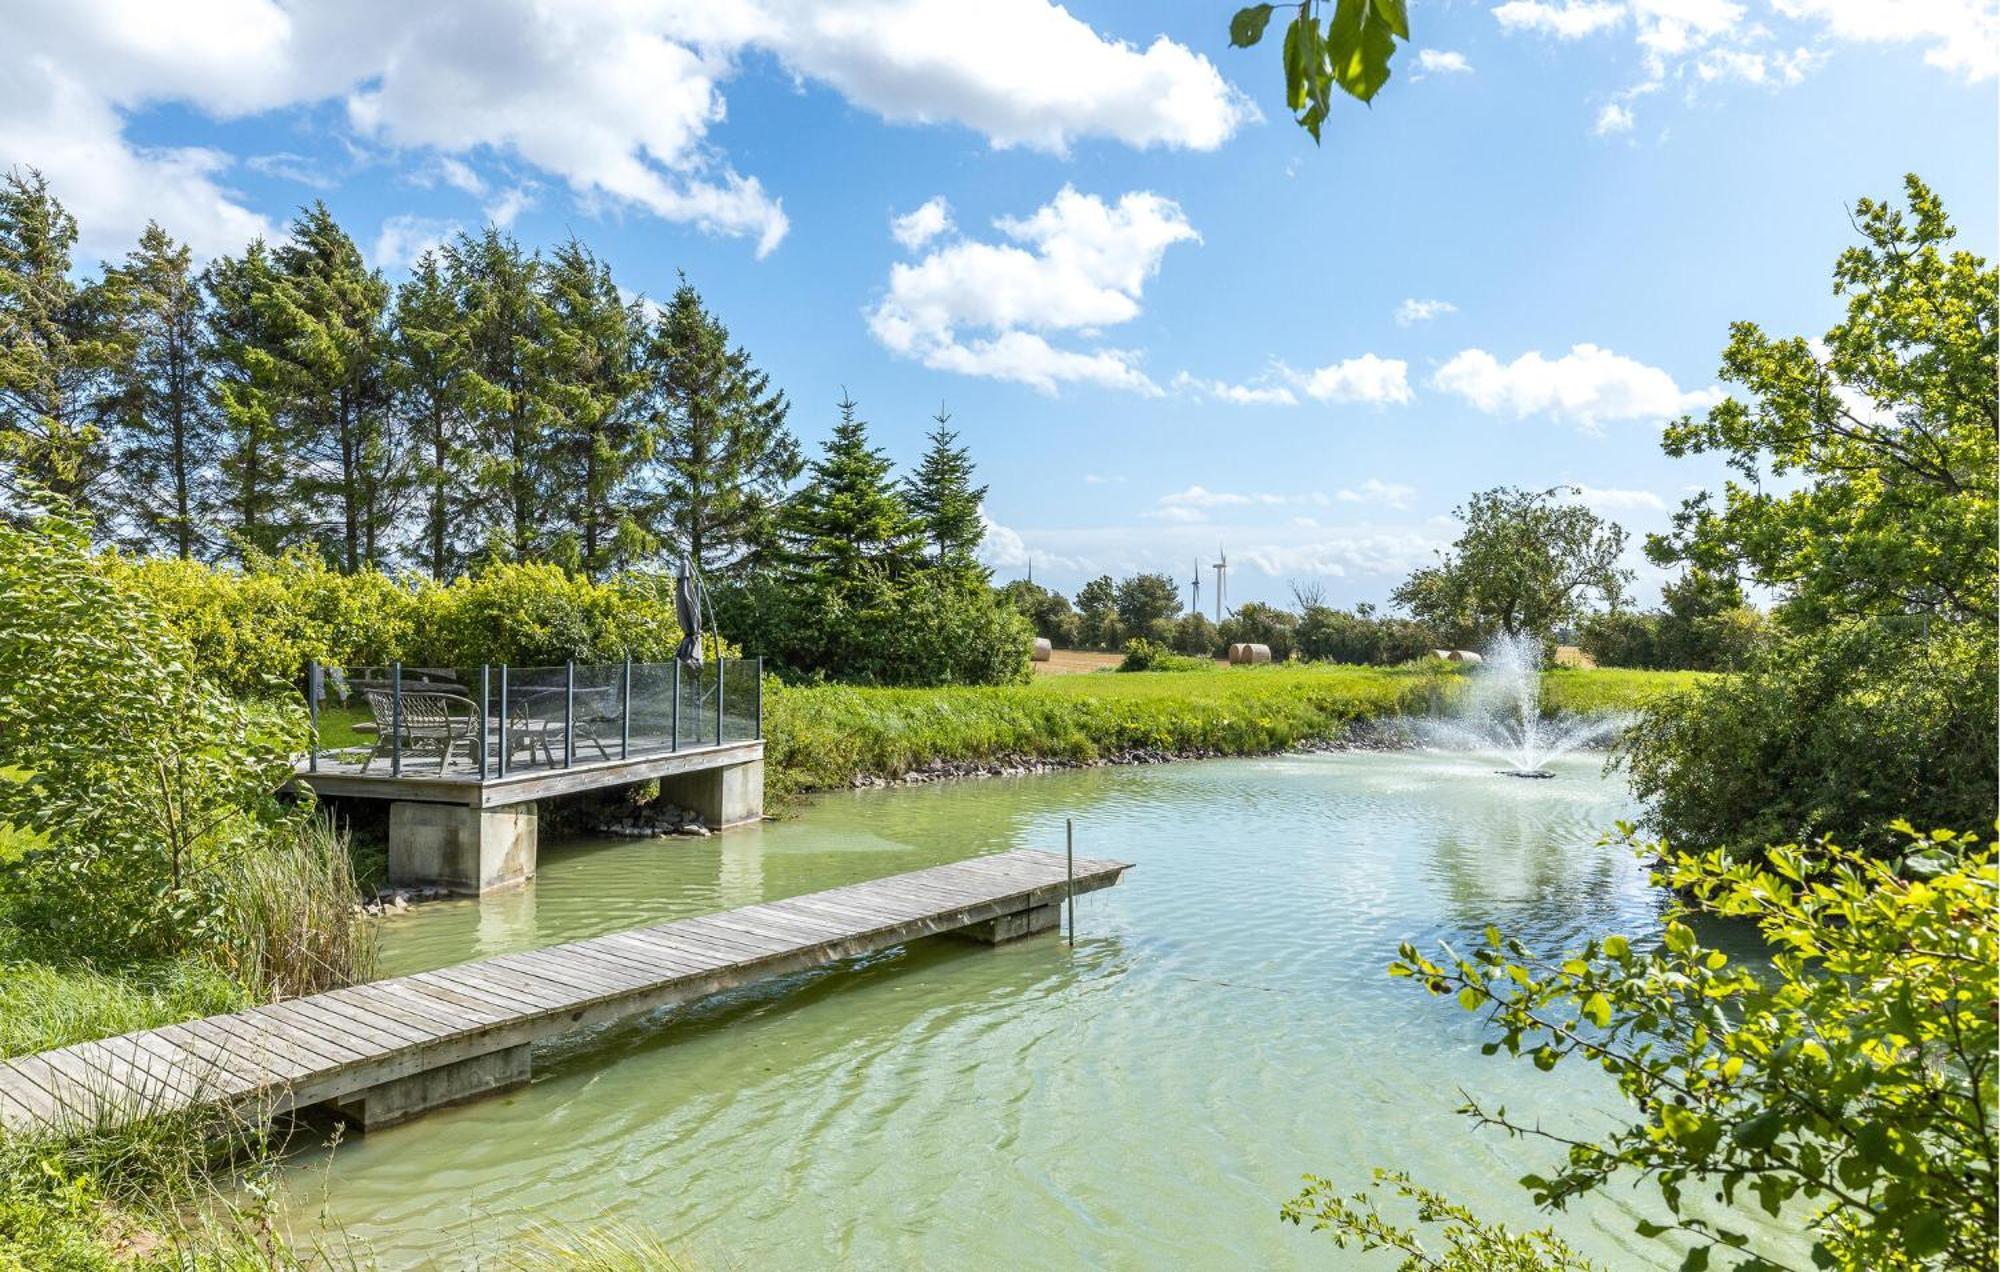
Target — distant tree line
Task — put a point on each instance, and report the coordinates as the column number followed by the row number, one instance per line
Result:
column 499, row 406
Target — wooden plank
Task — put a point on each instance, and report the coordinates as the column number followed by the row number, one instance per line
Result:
column 472, row 991
column 265, row 1037
column 344, row 1019
column 434, row 1023
column 423, row 993
column 630, row 961
column 222, row 1053
column 703, row 956
column 733, row 946
column 585, row 978
column 678, row 960
column 342, row 1046
column 82, row 1089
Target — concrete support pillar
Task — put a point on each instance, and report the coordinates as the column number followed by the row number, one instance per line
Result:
column 1012, row 927
column 404, row 1098
column 471, row 850
column 728, row 796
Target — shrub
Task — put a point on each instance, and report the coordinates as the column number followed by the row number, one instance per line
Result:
column 254, row 630
column 1331, row 635
column 1147, row 655
column 1833, row 733
column 1256, row 623
column 1621, row 638
column 1196, row 637
column 145, row 779
column 935, row 627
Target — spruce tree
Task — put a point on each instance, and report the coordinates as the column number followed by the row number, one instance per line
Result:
column 507, row 388
column 590, row 352
column 849, row 525
column 723, row 453
column 60, row 350
column 168, row 422
column 328, row 309
column 429, row 346
column 254, row 496
column 941, row 494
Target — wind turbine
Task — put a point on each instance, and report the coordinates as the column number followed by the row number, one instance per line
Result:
column 1194, row 601
column 1221, row 582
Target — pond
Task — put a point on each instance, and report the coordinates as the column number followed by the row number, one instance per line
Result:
column 1148, row 1098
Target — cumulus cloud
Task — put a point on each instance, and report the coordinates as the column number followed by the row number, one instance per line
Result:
column 1368, row 379
column 404, row 238
column 914, row 229
column 1376, row 491
column 1614, row 500
column 1570, row 20
column 617, row 102
column 1960, row 36
column 1441, row 62
column 1413, row 311
column 1612, row 120
column 1236, row 394
column 1587, row 386
column 1073, row 267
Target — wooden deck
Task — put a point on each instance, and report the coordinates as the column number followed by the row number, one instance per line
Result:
column 386, row 1050
column 460, row 782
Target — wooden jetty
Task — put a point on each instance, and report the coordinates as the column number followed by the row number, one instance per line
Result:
column 382, row 1052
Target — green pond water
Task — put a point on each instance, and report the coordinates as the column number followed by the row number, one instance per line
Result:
column 1146, row 1099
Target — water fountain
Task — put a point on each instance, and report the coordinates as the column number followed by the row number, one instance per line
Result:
column 1500, row 713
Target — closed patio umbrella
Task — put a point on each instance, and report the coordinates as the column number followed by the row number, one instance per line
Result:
column 687, row 608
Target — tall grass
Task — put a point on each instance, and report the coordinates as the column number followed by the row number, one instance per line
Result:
column 43, row 1006
column 289, row 923
column 823, row 736
column 614, row 1247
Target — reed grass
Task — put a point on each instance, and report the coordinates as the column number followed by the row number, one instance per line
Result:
column 608, row 1247
column 290, row 924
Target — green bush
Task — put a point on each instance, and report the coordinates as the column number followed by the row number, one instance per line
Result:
column 1146, row 655
column 1834, row 733
column 1256, row 623
column 935, row 627
column 145, row 779
column 256, row 628
column 1331, row 635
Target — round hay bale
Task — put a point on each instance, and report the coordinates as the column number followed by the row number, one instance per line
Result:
column 1236, row 655
column 1246, row 655
column 1042, row 649
column 1466, row 656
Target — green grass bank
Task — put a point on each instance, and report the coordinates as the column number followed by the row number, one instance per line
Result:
column 822, row 737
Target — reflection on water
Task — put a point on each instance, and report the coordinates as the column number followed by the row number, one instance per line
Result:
column 1146, row 1099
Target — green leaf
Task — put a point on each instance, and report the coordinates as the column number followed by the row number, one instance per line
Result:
column 1358, row 50
column 1598, row 1009
column 1647, row 1228
column 1247, row 27
column 1393, row 14
column 1696, row 1260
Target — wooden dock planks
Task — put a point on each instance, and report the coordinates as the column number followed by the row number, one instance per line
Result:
column 330, row 1046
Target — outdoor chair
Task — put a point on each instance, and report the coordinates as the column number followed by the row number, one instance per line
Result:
column 442, row 720
column 538, row 720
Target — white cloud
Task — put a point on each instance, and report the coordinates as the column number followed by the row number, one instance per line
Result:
column 404, row 238
column 1236, row 394
column 504, row 207
column 916, row 228
column 1027, row 73
column 1570, row 20
column 1098, row 479
column 618, row 102
column 1413, row 311
column 1612, row 500
column 1368, row 379
column 1441, row 62
column 1076, row 265
column 1960, row 36
column 1203, row 497
column 286, row 166
column 1613, row 119
column 1377, row 491
column 1587, row 386
column 1769, row 69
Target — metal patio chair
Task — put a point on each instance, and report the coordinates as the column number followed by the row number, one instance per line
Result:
column 442, row 720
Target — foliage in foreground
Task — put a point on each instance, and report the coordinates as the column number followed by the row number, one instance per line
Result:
column 1855, row 1075
column 1470, row 1244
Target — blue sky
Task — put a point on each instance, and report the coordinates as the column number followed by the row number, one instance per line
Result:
column 1162, row 318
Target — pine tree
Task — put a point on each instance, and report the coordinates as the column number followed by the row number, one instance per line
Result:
column 849, row 523
column 168, row 422
column 723, row 452
column 590, row 357
column 942, row 496
column 427, row 373
column 254, row 495
column 60, row 350
column 507, row 388
column 328, row 310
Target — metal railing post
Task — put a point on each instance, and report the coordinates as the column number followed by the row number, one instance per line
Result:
column 720, row 676
column 760, row 697
column 677, row 704
column 396, row 719
column 1069, row 873
column 625, row 713
column 312, row 714
column 485, row 709
column 569, row 712
column 506, row 742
